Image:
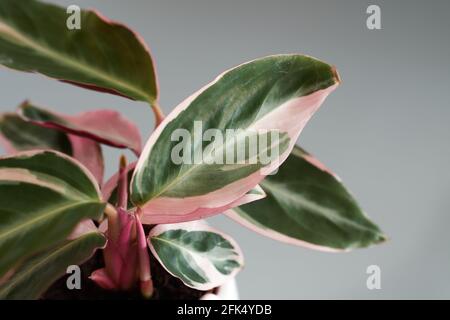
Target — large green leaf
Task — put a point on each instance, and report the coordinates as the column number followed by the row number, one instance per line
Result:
column 202, row 257
column 307, row 205
column 37, row 273
column 276, row 95
column 43, row 196
column 102, row 55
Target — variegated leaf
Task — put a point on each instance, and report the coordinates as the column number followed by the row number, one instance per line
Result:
column 202, row 257
column 44, row 195
column 102, row 55
column 307, row 205
column 17, row 134
column 104, row 126
column 276, row 94
column 38, row 273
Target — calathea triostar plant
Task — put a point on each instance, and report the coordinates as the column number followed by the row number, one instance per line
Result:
column 227, row 149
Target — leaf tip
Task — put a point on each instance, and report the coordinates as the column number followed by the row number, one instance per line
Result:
column 123, row 162
column 147, row 289
column 337, row 77
column 382, row 237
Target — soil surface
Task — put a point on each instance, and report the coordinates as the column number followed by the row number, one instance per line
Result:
column 165, row 285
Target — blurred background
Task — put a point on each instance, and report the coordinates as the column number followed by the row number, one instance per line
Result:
column 385, row 131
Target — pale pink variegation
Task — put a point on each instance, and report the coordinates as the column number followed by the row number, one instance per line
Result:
column 82, row 228
column 201, row 213
column 318, row 164
column 290, row 117
column 78, row 163
column 84, row 150
column 272, row 234
column 89, row 153
column 7, row 146
column 104, row 126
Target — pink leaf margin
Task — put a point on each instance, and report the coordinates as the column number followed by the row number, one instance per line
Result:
column 290, row 117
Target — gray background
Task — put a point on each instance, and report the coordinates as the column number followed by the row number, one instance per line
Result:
column 384, row 131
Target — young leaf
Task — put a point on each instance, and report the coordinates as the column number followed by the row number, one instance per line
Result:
column 37, row 273
column 104, row 126
column 109, row 189
column 56, row 193
column 102, row 55
column 16, row 134
column 307, row 205
column 276, row 94
column 202, row 257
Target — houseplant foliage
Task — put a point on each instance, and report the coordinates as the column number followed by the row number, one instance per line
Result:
column 56, row 209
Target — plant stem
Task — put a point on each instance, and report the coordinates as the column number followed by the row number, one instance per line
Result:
column 110, row 211
column 159, row 114
column 145, row 276
column 113, row 221
column 122, row 185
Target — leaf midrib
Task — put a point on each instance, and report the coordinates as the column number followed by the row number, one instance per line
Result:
column 173, row 244
column 204, row 255
column 307, row 203
column 43, row 217
column 67, row 60
column 194, row 166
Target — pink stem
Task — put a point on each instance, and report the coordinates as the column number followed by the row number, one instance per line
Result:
column 159, row 115
column 144, row 261
column 122, row 188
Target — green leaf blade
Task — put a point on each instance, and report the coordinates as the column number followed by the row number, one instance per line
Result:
column 202, row 257
column 43, row 196
column 308, row 205
column 102, row 55
column 276, row 94
column 37, row 274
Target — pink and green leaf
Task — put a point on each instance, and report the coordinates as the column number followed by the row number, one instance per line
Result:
column 17, row 134
column 36, row 274
column 56, row 194
column 102, row 55
column 307, row 205
column 104, row 126
column 273, row 94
